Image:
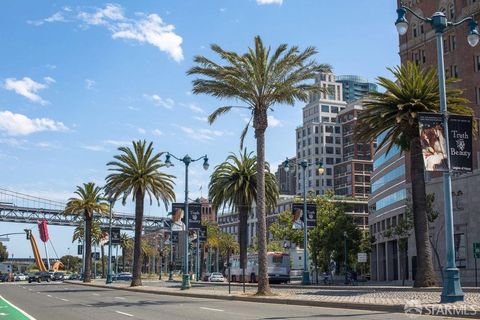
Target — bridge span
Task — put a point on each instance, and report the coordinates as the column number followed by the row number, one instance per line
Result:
column 22, row 208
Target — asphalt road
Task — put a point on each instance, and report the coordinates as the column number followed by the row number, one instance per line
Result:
column 71, row 302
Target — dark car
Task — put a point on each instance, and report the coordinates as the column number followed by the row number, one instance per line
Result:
column 4, row 277
column 74, row 276
column 58, row 276
column 39, row 277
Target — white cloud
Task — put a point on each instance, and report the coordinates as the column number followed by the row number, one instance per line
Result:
column 47, row 145
column 203, row 119
column 94, row 147
column 117, row 143
column 56, row 17
column 202, row 134
column 274, row 122
column 141, row 131
column 89, row 84
column 111, row 12
column 157, row 132
column 196, row 108
column 28, row 88
column 15, row 124
column 149, row 28
column 166, row 103
column 133, row 108
column 262, row 2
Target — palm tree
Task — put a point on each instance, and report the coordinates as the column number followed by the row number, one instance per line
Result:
column 89, row 201
column 126, row 243
column 260, row 80
column 395, row 113
column 234, row 184
column 137, row 171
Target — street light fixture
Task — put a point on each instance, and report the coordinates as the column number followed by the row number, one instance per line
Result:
column 452, row 290
column 305, row 164
column 186, row 160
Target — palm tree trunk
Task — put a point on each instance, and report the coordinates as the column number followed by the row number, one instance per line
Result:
column 137, row 251
column 425, row 275
column 242, row 236
column 88, row 249
column 260, row 124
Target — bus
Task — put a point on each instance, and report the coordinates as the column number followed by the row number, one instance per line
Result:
column 278, row 268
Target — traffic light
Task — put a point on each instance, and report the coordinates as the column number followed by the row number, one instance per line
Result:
column 28, row 233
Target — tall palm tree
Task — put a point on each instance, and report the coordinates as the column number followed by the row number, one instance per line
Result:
column 136, row 171
column 89, row 200
column 126, row 243
column 234, row 184
column 395, row 113
column 259, row 79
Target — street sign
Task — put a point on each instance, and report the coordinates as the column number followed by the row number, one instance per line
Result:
column 476, row 250
column 362, row 257
column 80, row 249
column 6, row 239
column 96, row 256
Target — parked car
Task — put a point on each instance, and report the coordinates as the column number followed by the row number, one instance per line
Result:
column 5, row 277
column 126, row 276
column 216, row 277
column 58, row 276
column 74, row 276
column 39, row 277
column 20, row 277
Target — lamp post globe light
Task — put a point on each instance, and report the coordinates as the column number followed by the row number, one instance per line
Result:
column 452, row 290
column 304, row 164
column 186, row 161
column 109, row 263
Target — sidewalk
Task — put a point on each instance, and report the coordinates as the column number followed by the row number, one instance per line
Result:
column 387, row 299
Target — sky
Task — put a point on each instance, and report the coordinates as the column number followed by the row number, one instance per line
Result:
column 78, row 81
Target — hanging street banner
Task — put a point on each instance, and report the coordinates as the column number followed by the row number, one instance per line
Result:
column 460, row 142
column 297, row 212
column 178, row 217
column 115, row 236
column 194, row 216
column 432, row 139
column 203, row 234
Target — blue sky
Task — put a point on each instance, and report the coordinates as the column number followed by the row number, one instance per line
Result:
column 77, row 81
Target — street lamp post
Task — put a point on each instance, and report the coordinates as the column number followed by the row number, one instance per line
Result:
column 109, row 263
column 304, row 164
column 452, row 290
column 170, row 272
column 345, row 260
column 186, row 160
column 161, row 256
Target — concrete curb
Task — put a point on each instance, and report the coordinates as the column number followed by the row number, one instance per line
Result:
column 326, row 304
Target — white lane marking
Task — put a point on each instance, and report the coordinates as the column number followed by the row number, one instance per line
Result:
column 30, row 289
column 95, row 294
column 125, row 314
column 66, row 300
column 49, row 296
column 20, row 310
column 86, row 305
column 211, row 309
column 122, row 298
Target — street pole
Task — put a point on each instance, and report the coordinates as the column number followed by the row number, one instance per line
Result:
column 306, row 272
column 109, row 263
column 476, row 279
column 198, row 256
column 116, row 259
column 161, row 257
column 83, row 250
column 452, row 290
column 170, row 272
column 345, row 261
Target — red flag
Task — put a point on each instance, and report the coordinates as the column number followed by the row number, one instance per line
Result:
column 42, row 228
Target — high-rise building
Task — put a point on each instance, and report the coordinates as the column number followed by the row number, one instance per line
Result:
column 319, row 138
column 355, row 87
column 352, row 175
column 286, row 179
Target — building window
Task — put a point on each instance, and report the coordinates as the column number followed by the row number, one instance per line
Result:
column 451, row 11
column 453, row 42
column 329, row 160
column 337, row 129
column 414, row 30
column 334, row 109
column 325, row 108
column 454, row 71
column 477, row 63
column 328, row 139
